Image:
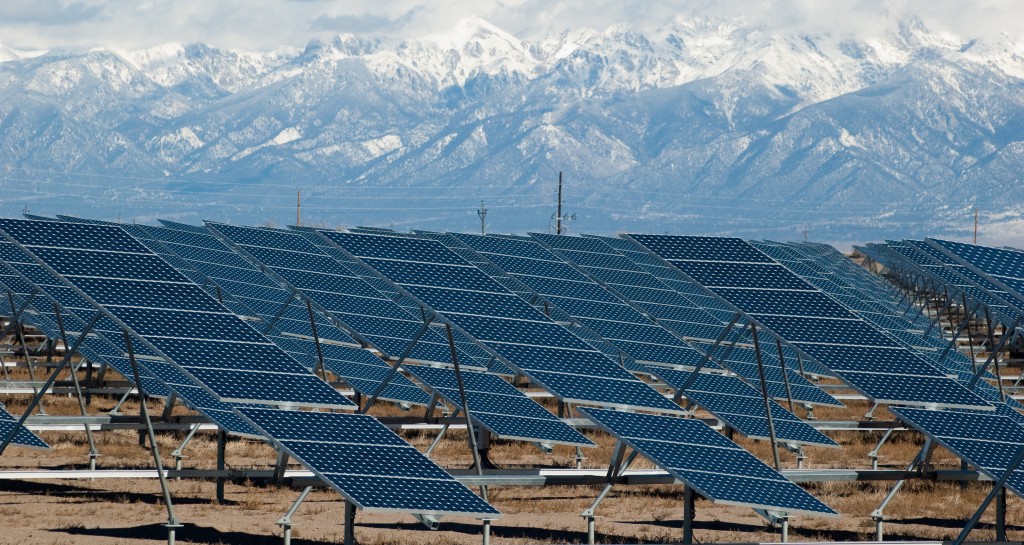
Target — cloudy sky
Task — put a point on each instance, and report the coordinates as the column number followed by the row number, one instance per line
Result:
column 267, row 24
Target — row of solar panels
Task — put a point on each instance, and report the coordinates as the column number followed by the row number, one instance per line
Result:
column 578, row 316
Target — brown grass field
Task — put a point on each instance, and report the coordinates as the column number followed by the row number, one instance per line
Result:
column 131, row 511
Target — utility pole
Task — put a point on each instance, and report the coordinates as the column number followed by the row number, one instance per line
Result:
column 558, row 224
column 805, row 232
column 975, row 225
column 482, row 212
column 298, row 207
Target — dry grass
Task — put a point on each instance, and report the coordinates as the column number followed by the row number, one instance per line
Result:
column 130, row 511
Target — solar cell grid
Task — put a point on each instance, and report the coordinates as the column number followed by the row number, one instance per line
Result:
column 733, row 475
column 279, row 373
column 367, row 463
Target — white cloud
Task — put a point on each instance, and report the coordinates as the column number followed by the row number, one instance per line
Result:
column 266, row 24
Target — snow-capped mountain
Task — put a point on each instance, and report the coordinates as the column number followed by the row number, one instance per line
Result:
column 705, row 126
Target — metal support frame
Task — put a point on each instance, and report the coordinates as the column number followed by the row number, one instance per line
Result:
column 477, row 462
column 991, row 356
column 995, row 353
column 117, row 406
column 93, row 451
column 998, row 490
column 280, row 313
column 14, row 322
column 920, row 462
column 616, row 467
column 785, row 375
column 178, row 453
column 64, row 362
column 707, row 357
column 172, row 519
column 873, row 455
column 398, row 363
column 316, row 341
column 938, row 316
column 765, row 397
column 959, row 329
column 285, row 522
column 280, row 466
column 20, row 334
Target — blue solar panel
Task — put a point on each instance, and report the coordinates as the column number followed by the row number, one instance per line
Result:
column 712, row 465
column 336, row 291
column 987, row 441
column 499, row 406
column 742, row 408
column 243, row 367
column 604, row 383
column 697, row 256
column 367, row 463
column 23, row 437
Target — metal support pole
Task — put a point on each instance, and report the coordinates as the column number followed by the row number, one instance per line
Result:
column 918, row 462
column 280, row 312
column 873, row 455
column 465, row 409
column 93, row 451
column 688, row 502
column 938, row 317
column 981, row 371
column 172, row 519
column 316, row 341
column 286, row 521
column 486, row 530
column 615, row 467
column 766, row 398
column 280, row 466
column 117, row 406
column 997, row 489
column 397, row 364
column 64, row 362
column 20, row 334
column 958, row 331
column 785, row 375
column 440, row 435
column 995, row 354
column 350, row 523
column 222, row 437
column 707, row 357
column 1001, row 514
column 178, row 453
column 970, row 342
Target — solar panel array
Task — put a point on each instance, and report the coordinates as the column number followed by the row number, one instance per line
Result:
column 355, row 304
column 283, row 313
column 704, row 460
column 173, row 317
column 521, row 336
column 676, row 312
column 367, row 463
column 819, row 326
column 989, row 442
column 607, row 314
column 499, row 407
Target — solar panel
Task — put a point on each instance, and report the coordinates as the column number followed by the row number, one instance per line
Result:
column 674, row 311
column 604, row 312
column 264, row 298
column 201, row 337
column 350, row 300
column 367, row 463
column 704, row 460
column 499, row 407
column 515, row 341
column 713, row 262
column 989, row 442
column 106, row 345
column 23, row 437
column 741, row 407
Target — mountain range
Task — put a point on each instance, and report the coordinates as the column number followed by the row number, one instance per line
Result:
column 703, row 126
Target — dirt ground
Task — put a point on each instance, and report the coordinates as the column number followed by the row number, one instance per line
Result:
column 131, row 511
